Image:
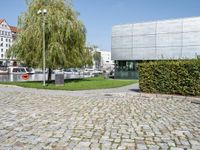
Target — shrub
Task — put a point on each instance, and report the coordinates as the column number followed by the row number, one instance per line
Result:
column 170, row 77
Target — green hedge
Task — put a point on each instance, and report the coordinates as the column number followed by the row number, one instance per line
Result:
column 170, row 77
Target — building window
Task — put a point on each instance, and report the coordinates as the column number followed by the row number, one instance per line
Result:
column 1, row 39
column 126, row 66
column 2, row 50
column 6, row 40
column 1, row 55
column 6, row 45
column 2, row 32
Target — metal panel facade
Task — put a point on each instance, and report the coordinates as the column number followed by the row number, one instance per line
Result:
column 169, row 26
column 144, row 28
column 170, row 39
column 144, row 41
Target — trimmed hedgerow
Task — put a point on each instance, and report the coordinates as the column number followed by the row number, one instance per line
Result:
column 170, row 77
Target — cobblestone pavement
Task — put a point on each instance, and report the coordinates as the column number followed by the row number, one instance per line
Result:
column 38, row 119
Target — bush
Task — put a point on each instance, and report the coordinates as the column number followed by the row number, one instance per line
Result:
column 170, row 77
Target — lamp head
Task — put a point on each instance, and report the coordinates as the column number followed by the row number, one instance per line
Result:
column 39, row 12
column 44, row 11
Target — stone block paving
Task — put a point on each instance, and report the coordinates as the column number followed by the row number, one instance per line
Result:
column 31, row 120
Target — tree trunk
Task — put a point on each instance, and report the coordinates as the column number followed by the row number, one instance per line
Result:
column 49, row 75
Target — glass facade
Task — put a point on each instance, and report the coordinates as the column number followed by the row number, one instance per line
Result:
column 168, row 39
column 126, row 69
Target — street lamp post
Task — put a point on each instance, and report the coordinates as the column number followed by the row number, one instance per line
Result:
column 43, row 13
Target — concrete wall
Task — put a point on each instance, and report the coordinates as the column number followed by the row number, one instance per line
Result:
column 168, row 39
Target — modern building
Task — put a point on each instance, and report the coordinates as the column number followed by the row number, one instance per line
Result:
column 7, row 36
column 168, row 39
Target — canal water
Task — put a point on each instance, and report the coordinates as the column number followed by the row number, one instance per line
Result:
column 35, row 77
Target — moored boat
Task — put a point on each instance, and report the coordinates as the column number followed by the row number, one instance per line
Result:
column 2, row 72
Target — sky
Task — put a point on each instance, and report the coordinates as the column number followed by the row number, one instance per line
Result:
column 100, row 15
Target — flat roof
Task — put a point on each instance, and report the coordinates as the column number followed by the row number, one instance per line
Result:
column 172, row 19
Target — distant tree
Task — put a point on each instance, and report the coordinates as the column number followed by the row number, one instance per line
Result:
column 97, row 58
column 65, row 36
column 87, row 57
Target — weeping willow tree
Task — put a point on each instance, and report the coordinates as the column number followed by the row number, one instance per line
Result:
column 65, row 36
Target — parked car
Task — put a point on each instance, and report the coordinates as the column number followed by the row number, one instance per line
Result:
column 58, row 71
column 72, row 71
column 98, row 72
column 88, row 72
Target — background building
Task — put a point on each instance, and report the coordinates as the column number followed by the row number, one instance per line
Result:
column 106, row 62
column 168, row 39
column 7, row 36
column 96, row 56
column 101, row 59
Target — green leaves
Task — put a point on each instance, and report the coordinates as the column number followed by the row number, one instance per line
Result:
column 170, row 77
column 65, row 35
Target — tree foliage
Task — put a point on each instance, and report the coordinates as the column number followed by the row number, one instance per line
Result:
column 97, row 58
column 65, row 36
column 87, row 57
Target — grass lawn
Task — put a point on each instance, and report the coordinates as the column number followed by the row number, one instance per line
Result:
column 79, row 84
